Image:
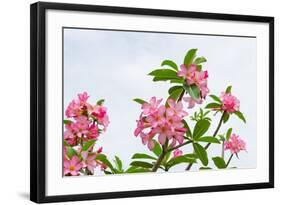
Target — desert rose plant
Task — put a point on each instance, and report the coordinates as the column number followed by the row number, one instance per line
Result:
column 163, row 126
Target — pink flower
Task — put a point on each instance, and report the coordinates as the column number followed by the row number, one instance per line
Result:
column 100, row 112
column 195, row 77
column 70, row 138
column 163, row 123
column 80, row 127
column 235, row 144
column 72, row 166
column 92, row 132
column 151, row 107
column 175, row 109
column 177, row 153
column 187, row 73
column 230, row 103
column 83, row 97
column 89, row 161
column 192, row 102
column 73, row 109
column 147, row 139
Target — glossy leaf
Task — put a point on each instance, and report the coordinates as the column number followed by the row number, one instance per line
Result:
column 188, row 131
column 140, row 101
column 87, row 145
column 103, row 159
column 213, row 105
column 201, row 153
column 219, row 162
column 100, row 102
column 164, row 73
column 141, row 164
column 228, row 89
column 215, row 98
column 66, row 122
column 170, row 63
column 176, row 94
column 225, row 117
column 172, row 89
column 209, row 139
column 142, row 156
column 157, row 150
column 118, row 163
column 190, row 55
column 137, row 170
column 200, row 128
column 200, row 60
column 240, row 115
column 228, row 133
column 193, row 91
column 178, row 160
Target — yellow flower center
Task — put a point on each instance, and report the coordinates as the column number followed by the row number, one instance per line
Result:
column 71, row 168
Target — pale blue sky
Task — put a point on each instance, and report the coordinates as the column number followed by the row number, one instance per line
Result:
column 113, row 65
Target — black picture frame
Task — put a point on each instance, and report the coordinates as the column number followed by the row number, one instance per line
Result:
column 38, row 100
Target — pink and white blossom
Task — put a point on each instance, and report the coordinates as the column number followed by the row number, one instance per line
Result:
column 235, row 144
column 72, row 166
column 230, row 103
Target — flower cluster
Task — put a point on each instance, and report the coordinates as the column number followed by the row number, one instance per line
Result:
column 235, row 144
column 230, row 103
column 84, row 125
column 193, row 76
column 164, row 122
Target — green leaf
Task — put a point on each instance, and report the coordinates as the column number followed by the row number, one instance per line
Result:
column 228, row 133
column 219, row 162
column 118, row 163
column 228, row 89
column 215, row 98
column 140, row 101
column 209, row 139
column 176, row 94
column 66, row 122
column 141, row 164
column 193, row 91
column 71, row 152
column 166, row 158
column 213, row 105
column 137, row 170
column 156, row 79
column 172, row 89
column 157, row 150
column 178, row 160
column 201, row 153
column 190, row 55
column 170, row 63
column 103, row 159
column 166, row 73
column 188, row 131
column 240, row 115
column 225, row 117
column 180, row 81
column 87, row 145
column 199, row 68
column 200, row 60
column 100, row 102
column 200, row 128
column 142, row 156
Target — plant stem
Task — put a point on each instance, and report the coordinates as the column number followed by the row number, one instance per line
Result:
column 215, row 133
column 161, row 157
column 181, row 95
column 180, row 145
column 229, row 160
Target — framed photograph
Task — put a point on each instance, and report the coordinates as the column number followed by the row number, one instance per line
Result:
column 129, row 102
